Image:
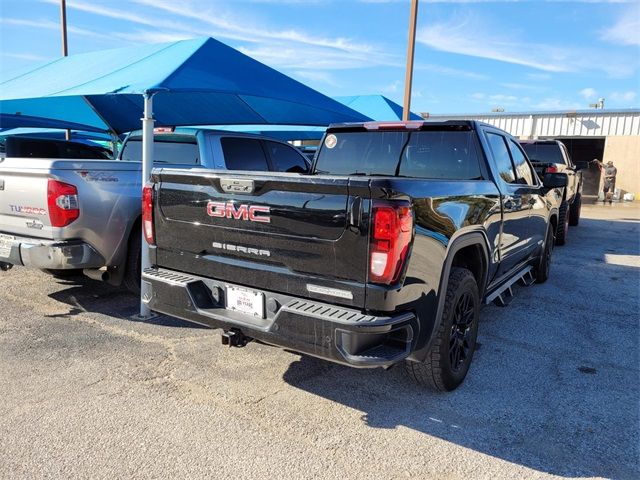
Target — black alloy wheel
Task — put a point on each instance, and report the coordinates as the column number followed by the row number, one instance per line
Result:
column 460, row 338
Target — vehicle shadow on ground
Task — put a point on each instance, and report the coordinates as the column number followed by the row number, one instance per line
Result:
column 83, row 294
column 554, row 387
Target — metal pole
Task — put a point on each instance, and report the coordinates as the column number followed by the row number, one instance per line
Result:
column 147, row 165
column 63, row 24
column 65, row 51
column 408, row 79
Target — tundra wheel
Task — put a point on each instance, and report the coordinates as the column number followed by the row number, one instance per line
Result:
column 132, row 272
column 563, row 224
column 449, row 358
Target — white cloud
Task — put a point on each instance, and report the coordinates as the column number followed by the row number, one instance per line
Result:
column 25, row 56
column 50, row 25
column 452, row 72
column 626, row 31
column 588, row 93
column 472, row 36
column 468, row 37
column 393, row 87
column 317, row 76
column 623, row 97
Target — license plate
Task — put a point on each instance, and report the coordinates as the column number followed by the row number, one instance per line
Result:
column 245, row 301
column 5, row 245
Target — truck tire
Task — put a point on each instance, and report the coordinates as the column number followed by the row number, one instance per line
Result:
column 131, row 279
column 563, row 224
column 544, row 264
column 451, row 352
column 574, row 211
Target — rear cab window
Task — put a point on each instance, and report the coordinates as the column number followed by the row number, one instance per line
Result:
column 544, row 152
column 173, row 149
column 244, row 154
column 445, row 153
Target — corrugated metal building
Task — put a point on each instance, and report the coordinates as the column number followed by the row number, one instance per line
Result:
column 603, row 134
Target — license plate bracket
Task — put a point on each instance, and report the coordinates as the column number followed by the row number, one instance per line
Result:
column 244, row 300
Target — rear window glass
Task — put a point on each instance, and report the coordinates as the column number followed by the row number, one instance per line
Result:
column 543, row 153
column 441, row 154
column 181, row 150
column 243, row 154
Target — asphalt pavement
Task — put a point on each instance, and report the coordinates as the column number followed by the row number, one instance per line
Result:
column 554, row 390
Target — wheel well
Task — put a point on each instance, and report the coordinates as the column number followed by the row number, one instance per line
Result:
column 472, row 258
column 136, row 227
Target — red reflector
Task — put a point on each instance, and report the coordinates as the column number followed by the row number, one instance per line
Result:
column 551, row 169
column 62, row 200
column 392, row 230
column 147, row 213
column 164, row 129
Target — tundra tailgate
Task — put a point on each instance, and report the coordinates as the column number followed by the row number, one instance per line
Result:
column 298, row 235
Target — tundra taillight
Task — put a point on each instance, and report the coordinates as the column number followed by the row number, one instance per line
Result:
column 62, row 200
column 391, row 233
column 147, row 213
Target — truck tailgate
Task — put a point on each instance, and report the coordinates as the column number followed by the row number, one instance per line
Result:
column 23, row 203
column 297, row 235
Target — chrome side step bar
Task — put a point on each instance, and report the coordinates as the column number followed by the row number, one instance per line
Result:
column 504, row 294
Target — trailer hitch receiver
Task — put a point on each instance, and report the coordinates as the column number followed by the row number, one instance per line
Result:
column 235, row 338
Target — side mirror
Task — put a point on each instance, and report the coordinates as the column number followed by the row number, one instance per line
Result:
column 555, row 180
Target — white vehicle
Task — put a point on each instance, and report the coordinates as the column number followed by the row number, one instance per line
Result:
column 66, row 215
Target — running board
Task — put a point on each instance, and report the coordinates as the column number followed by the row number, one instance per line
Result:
column 503, row 296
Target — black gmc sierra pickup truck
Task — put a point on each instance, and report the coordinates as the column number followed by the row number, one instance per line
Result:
column 383, row 253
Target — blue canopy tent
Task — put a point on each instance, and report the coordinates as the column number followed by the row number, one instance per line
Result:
column 377, row 107
column 189, row 82
column 10, row 121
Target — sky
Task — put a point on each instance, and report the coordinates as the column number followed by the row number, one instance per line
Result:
column 471, row 56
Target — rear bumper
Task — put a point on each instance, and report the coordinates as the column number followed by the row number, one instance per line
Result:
column 322, row 330
column 50, row 254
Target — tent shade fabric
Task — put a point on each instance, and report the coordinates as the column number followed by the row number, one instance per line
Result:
column 377, row 107
column 198, row 81
column 10, row 121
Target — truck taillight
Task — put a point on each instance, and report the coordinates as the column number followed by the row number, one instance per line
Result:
column 551, row 169
column 391, row 233
column 62, row 200
column 147, row 213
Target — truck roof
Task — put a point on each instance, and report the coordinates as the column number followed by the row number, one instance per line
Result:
column 405, row 125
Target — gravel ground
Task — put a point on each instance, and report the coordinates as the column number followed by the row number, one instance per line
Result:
column 86, row 392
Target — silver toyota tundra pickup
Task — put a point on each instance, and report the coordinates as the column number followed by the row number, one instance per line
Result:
column 71, row 215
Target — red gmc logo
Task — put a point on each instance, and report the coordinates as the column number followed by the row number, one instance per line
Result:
column 252, row 213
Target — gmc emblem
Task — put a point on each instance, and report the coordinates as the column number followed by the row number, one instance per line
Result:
column 252, row 213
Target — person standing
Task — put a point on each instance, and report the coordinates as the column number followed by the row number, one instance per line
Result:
column 609, row 186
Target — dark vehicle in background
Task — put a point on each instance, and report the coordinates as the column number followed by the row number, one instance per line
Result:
column 383, row 253
column 552, row 156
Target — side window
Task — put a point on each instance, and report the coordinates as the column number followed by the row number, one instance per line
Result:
column 285, row 158
column 243, row 154
column 502, row 157
column 522, row 166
